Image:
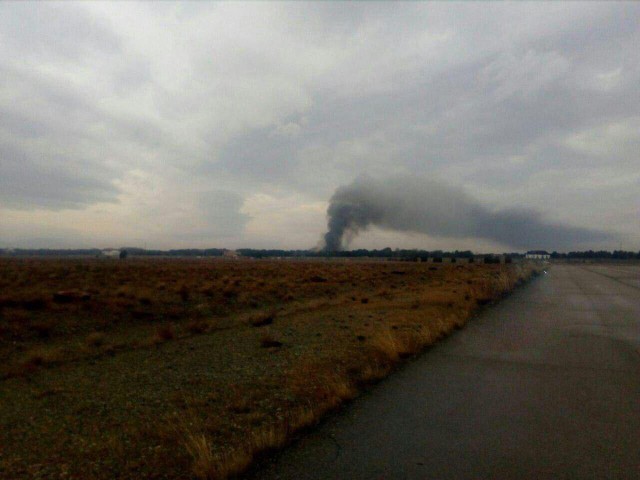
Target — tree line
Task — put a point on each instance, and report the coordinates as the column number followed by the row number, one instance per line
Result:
column 600, row 254
column 412, row 254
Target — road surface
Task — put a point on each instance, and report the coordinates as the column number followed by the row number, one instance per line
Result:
column 544, row 385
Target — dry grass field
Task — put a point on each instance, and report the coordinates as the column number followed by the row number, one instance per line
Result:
column 183, row 369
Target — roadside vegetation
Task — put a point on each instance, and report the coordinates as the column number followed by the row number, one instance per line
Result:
column 193, row 368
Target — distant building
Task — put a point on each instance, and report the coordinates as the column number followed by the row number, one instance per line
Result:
column 230, row 254
column 110, row 253
column 538, row 255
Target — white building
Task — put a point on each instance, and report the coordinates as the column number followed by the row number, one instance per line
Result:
column 110, row 253
column 538, row 255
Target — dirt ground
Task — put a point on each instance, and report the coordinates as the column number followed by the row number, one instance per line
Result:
column 190, row 368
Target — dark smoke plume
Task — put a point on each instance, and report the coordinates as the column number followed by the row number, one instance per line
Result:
column 430, row 207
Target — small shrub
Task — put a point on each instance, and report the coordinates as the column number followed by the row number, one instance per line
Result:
column 385, row 348
column 165, row 332
column 39, row 358
column 229, row 293
column 146, row 301
column 209, row 292
column 35, row 304
column 184, row 293
column 69, row 296
column 95, row 339
column 196, row 326
column 49, row 392
column 372, row 373
column 263, row 320
column 8, row 303
column 269, row 438
column 203, row 460
column 42, row 329
column 240, row 404
column 268, row 341
column 141, row 315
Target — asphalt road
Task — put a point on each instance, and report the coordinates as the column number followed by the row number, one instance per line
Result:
column 544, row 385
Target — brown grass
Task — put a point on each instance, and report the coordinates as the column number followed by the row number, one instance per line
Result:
column 263, row 319
column 268, row 340
column 207, row 465
column 285, row 343
column 204, row 461
column 164, row 333
column 95, row 339
column 35, row 358
column 326, row 388
column 197, row 326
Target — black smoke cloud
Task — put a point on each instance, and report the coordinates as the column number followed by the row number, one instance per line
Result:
column 410, row 204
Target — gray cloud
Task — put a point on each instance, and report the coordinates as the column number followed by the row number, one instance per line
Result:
column 55, row 29
column 50, row 181
column 526, row 106
column 221, row 211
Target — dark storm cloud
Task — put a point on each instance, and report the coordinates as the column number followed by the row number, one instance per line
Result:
column 420, row 205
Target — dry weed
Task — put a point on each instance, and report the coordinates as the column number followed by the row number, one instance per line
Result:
column 164, row 333
column 203, row 460
column 197, row 326
column 268, row 340
column 95, row 339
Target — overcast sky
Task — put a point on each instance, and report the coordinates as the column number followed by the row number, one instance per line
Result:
column 231, row 124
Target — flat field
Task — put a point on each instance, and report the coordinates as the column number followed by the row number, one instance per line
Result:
column 185, row 368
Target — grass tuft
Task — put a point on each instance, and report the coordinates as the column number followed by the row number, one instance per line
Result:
column 197, row 326
column 164, row 333
column 95, row 339
column 269, row 341
column 263, row 319
column 203, row 459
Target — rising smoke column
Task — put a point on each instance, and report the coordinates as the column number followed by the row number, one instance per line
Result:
column 411, row 204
